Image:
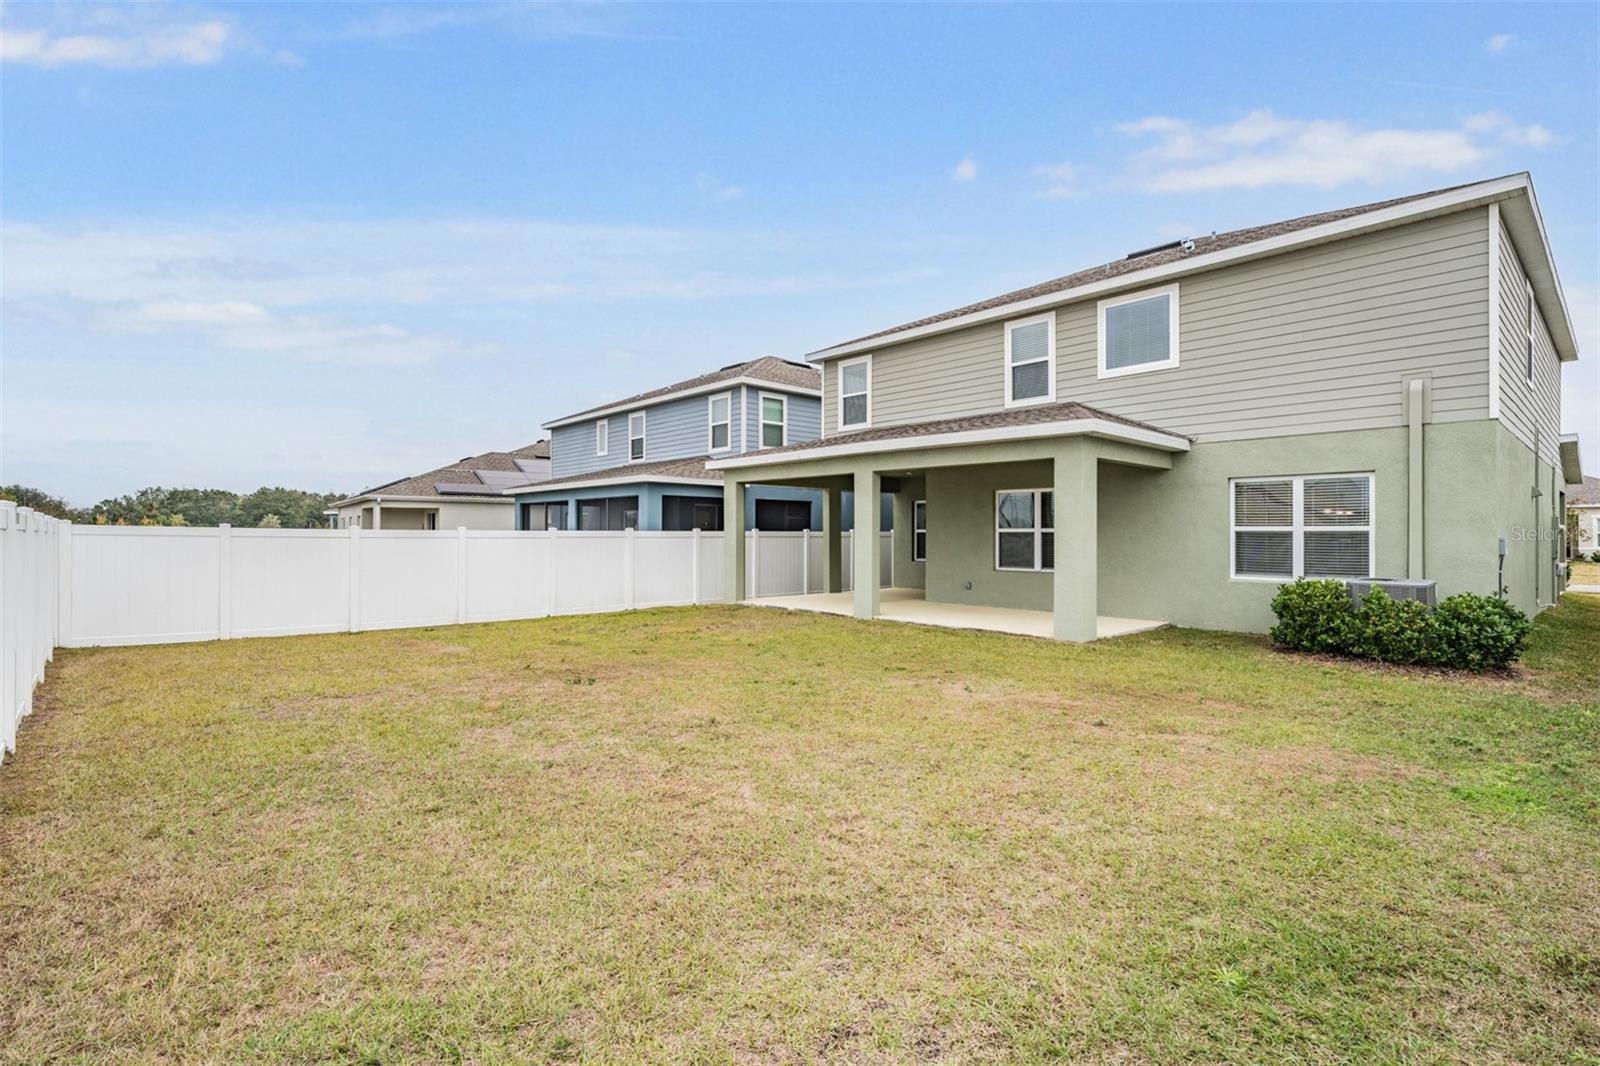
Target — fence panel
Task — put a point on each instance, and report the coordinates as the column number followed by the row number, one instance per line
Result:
column 30, row 603
column 287, row 581
column 589, row 572
column 508, row 575
column 407, row 578
column 711, row 572
column 663, row 569
column 138, row 585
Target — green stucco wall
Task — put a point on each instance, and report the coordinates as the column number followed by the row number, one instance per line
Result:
column 1163, row 543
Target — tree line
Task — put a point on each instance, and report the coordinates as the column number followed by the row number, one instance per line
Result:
column 265, row 508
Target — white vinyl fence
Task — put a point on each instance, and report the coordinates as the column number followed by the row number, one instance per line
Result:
column 30, row 545
column 158, row 585
column 77, row 586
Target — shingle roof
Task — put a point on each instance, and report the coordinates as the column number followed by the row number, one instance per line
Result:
column 1586, row 494
column 1019, row 416
column 1157, row 257
column 695, row 468
column 462, row 472
column 767, row 368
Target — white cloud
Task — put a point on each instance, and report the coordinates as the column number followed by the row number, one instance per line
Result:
column 1061, row 181
column 1499, row 43
column 1264, row 149
column 713, row 186
column 243, row 326
column 1498, row 124
column 199, row 44
column 966, row 170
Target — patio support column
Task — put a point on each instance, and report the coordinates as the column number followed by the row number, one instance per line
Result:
column 866, row 545
column 733, row 493
column 832, row 550
column 1077, row 540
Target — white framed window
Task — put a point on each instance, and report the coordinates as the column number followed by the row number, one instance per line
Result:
column 720, row 431
column 1530, row 332
column 855, row 393
column 602, row 436
column 1281, row 528
column 1138, row 332
column 774, row 420
column 1025, row 529
column 635, row 436
column 1030, row 354
column 919, row 531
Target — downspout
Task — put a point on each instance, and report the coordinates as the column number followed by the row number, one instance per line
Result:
column 1415, row 484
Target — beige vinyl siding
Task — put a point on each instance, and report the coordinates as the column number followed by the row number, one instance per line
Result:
column 1532, row 412
column 1313, row 340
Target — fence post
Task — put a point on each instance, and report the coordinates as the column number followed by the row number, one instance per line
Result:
column 805, row 561
column 627, row 570
column 354, row 585
column 8, row 707
column 64, row 587
column 754, row 584
column 550, row 571
column 694, row 566
column 224, row 581
column 461, row 574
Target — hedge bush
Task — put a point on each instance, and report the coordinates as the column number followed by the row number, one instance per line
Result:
column 1478, row 632
column 1391, row 630
column 1313, row 615
column 1468, row 631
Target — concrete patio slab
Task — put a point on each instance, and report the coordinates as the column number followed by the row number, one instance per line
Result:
column 909, row 605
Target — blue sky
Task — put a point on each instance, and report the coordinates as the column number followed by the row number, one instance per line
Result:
column 325, row 245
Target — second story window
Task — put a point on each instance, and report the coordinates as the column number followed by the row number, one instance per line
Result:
column 774, row 421
column 1031, row 360
column 1530, row 332
column 636, row 436
column 1138, row 332
column 602, row 434
column 721, row 420
column 855, row 393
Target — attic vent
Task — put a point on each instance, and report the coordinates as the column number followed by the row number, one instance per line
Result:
column 1152, row 251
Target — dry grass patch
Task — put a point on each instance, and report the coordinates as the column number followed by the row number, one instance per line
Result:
column 733, row 835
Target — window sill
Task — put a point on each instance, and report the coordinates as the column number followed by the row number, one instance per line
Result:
column 1139, row 368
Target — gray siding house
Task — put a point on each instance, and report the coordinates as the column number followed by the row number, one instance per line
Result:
column 640, row 462
column 1372, row 391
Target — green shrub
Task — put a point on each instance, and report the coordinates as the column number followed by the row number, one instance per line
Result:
column 1391, row 630
column 1314, row 614
column 1473, row 632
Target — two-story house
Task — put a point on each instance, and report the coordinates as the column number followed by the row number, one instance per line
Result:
column 640, row 462
column 1372, row 391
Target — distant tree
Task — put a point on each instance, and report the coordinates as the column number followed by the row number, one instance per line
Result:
column 205, row 507
column 270, row 521
column 38, row 499
column 294, row 509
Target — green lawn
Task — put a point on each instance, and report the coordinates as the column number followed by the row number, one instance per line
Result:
column 1584, row 573
column 747, row 836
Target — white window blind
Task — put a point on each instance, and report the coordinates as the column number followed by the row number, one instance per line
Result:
column 1290, row 527
column 602, row 430
column 774, row 419
column 636, row 435
column 855, row 387
column 721, row 420
column 1138, row 332
column 1030, row 360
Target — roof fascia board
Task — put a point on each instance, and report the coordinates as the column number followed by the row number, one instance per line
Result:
column 715, row 386
column 1097, row 427
column 1459, row 199
column 630, row 479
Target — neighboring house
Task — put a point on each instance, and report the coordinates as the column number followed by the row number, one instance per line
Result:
column 1171, row 436
column 1583, row 503
column 466, row 493
column 640, row 462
